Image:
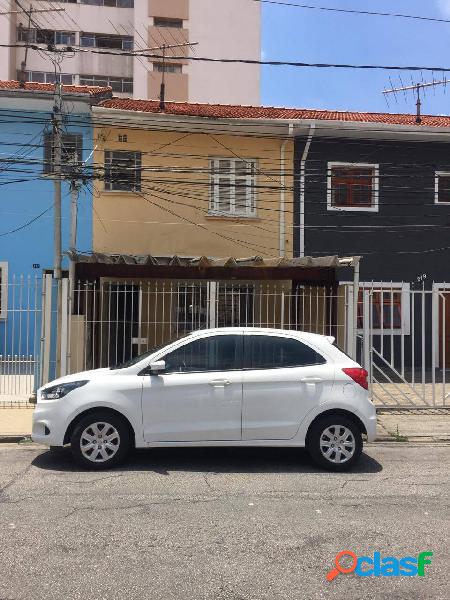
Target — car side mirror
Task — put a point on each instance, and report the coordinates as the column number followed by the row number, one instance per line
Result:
column 157, row 367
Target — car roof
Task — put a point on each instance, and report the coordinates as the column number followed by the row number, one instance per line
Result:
column 268, row 330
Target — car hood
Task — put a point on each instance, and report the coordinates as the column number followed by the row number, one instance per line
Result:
column 83, row 375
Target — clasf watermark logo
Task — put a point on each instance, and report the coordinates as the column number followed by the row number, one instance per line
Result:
column 379, row 566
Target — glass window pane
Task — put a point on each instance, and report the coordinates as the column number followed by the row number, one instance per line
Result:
column 216, row 353
column 352, row 186
column 444, row 188
column 270, row 352
column 224, row 199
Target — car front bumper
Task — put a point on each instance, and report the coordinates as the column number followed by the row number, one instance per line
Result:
column 49, row 423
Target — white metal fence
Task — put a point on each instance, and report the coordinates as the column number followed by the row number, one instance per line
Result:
column 116, row 320
column 405, row 344
column 20, row 338
column 403, row 335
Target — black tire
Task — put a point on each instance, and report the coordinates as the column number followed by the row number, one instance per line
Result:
column 121, row 441
column 316, row 447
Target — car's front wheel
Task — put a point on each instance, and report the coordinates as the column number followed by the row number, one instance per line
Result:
column 100, row 440
column 335, row 443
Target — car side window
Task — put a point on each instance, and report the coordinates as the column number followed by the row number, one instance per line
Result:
column 214, row 353
column 271, row 352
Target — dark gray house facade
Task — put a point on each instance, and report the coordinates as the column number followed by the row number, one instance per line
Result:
column 378, row 186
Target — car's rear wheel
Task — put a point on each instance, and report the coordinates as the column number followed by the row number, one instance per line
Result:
column 335, row 442
column 100, row 440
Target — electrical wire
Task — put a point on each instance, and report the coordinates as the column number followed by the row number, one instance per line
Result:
column 273, row 63
column 352, row 11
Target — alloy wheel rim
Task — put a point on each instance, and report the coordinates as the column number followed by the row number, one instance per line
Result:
column 99, row 442
column 337, row 444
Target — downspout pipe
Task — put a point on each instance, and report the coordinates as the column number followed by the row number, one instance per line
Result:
column 282, row 241
column 312, row 128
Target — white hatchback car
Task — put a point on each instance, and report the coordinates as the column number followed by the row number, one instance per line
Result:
column 218, row 387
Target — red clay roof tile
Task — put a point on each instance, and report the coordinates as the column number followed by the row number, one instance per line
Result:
column 219, row 111
column 49, row 87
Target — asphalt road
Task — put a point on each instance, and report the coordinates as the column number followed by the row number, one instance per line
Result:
column 256, row 524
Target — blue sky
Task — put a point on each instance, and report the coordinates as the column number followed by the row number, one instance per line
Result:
column 318, row 36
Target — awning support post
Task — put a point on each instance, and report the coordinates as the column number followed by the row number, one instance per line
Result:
column 356, row 260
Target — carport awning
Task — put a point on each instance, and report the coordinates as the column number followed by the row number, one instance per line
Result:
column 205, row 262
column 308, row 270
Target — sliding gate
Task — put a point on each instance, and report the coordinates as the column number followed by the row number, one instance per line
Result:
column 404, row 343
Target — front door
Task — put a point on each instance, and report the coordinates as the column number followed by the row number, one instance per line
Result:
column 283, row 380
column 198, row 397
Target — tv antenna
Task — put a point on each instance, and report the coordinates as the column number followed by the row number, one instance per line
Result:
column 418, row 88
column 163, row 48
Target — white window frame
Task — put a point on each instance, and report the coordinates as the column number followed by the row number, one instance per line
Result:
column 395, row 286
column 4, row 290
column 437, row 175
column 251, row 195
column 375, row 190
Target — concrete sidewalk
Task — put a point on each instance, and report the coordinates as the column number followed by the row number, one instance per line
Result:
column 402, row 426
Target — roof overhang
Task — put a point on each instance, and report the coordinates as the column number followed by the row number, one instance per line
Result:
column 260, row 127
column 161, row 121
column 370, row 130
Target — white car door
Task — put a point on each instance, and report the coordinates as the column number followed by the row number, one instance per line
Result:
column 198, row 397
column 283, row 380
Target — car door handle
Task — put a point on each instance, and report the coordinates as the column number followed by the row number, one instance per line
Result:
column 311, row 380
column 219, row 382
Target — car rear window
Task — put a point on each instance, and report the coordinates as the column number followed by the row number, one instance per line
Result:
column 271, row 352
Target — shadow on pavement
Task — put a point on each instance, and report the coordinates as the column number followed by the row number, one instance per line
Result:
column 209, row 460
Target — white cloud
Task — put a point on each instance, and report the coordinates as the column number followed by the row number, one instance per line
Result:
column 444, row 6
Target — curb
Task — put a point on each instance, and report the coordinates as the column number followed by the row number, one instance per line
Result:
column 13, row 439
column 413, row 439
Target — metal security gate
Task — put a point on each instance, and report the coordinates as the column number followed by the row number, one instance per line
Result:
column 27, row 328
column 112, row 321
column 404, row 343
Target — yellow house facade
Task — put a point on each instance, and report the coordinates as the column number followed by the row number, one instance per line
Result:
column 194, row 188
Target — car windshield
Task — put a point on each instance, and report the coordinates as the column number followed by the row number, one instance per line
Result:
column 136, row 359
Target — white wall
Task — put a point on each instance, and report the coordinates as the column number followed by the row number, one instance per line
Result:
column 7, row 36
column 225, row 29
column 141, row 65
column 82, row 17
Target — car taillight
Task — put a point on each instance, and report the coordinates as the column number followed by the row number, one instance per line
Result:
column 358, row 375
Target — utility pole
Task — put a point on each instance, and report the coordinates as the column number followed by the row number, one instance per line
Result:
column 74, row 191
column 57, row 176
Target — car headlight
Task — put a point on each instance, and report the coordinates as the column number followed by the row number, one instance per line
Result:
column 62, row 389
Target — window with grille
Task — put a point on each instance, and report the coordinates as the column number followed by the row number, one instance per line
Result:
column 167, row 68
column 352, row 186
column 203, row 304
column 104, row 40
column 232, row 187
column 442, row 188
column 45, row 36
column 123, row 171
column 235, row 305
column 121, row 85
column 111, row 3
column 166, row 22
column 191, row 307
column 387, row 306
column 44, row 77
column 71, row 152
column 3, row 289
